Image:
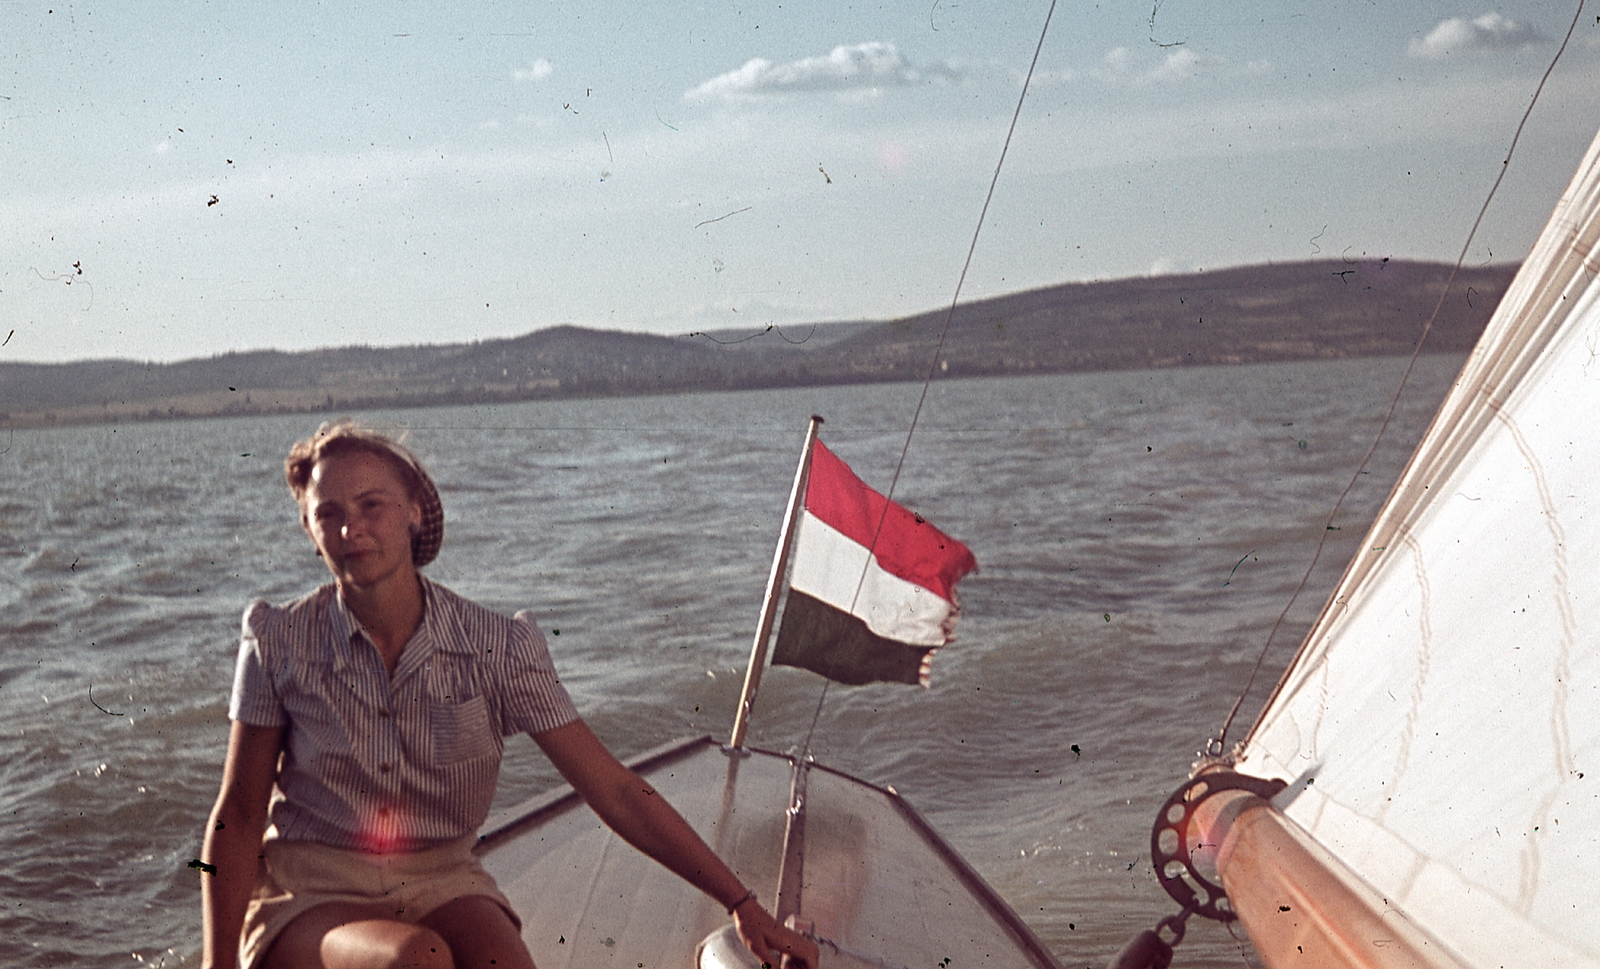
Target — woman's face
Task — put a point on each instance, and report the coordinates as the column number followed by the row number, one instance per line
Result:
column 358, row 513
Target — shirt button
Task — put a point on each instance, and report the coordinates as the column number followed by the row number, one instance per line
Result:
column 385, row 768
column 386, row 712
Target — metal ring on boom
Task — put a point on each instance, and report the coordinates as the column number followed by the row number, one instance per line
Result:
column 1169, row 842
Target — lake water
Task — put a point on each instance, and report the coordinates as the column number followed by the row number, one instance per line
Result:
column 1137, row 535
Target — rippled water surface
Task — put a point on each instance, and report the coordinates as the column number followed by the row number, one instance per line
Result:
column 1137, row 535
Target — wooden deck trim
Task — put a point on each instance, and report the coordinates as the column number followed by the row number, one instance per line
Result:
column 1300, row 904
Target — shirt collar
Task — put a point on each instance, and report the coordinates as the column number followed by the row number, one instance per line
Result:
column 425, row 641
column 441, row 631
column 344, row 628
column 443, row 622
column 431, row 635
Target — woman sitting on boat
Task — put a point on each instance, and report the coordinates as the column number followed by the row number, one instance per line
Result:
column 368, row 724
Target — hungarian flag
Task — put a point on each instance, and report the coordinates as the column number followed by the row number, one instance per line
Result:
column 867, row 601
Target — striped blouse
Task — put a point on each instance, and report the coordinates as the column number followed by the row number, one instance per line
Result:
column 399, row 763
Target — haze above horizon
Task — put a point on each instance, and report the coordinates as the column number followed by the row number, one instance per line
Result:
column 181, row 182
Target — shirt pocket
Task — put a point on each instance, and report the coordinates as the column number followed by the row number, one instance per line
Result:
column 462, row 732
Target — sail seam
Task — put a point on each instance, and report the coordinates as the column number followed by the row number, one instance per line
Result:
column 1425, row 631
column 1528, row 888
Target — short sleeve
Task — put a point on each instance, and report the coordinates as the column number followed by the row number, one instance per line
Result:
column 255, row 696
column 534, row 699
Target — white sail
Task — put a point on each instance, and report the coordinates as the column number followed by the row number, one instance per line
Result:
column 1440, row 728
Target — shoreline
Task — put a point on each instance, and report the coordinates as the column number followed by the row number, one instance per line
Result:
column 1246, row 315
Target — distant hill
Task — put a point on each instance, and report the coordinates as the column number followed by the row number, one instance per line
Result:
column 1294, row 311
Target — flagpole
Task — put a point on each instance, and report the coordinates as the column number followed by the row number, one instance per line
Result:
column 769, row 605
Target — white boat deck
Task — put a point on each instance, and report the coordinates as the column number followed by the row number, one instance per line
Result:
column 880, row 887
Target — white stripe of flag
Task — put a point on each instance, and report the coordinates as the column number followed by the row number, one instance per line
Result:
column 829, row 566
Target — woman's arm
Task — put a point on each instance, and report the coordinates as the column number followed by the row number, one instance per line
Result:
column 233, row 838
column 645, row 820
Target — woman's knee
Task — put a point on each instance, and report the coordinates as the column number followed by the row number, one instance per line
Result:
column 335, row 939
column 423, row 948
column 384, row 944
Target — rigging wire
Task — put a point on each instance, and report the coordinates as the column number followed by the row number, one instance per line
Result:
column 1218, row 744
column 938, row 350
column 815, row 716
column 950, row 314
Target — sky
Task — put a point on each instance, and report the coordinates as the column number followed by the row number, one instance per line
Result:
column 187, row 179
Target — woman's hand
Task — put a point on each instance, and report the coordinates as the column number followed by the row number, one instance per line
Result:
column 643, row 818
column 766, row 938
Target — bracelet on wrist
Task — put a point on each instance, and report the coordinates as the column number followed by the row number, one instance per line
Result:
column 747, row 896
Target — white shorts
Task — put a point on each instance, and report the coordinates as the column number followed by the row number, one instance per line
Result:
column 298, row 876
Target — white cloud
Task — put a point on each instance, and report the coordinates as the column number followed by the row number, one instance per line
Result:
column 1125, row 67
column 1046, row 78
column 537, row 71
column 1180, row 64
column 1118, row 60
column 1490, row 32
column 858, row 67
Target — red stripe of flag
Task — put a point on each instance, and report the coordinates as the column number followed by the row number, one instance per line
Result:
column 906, row 545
